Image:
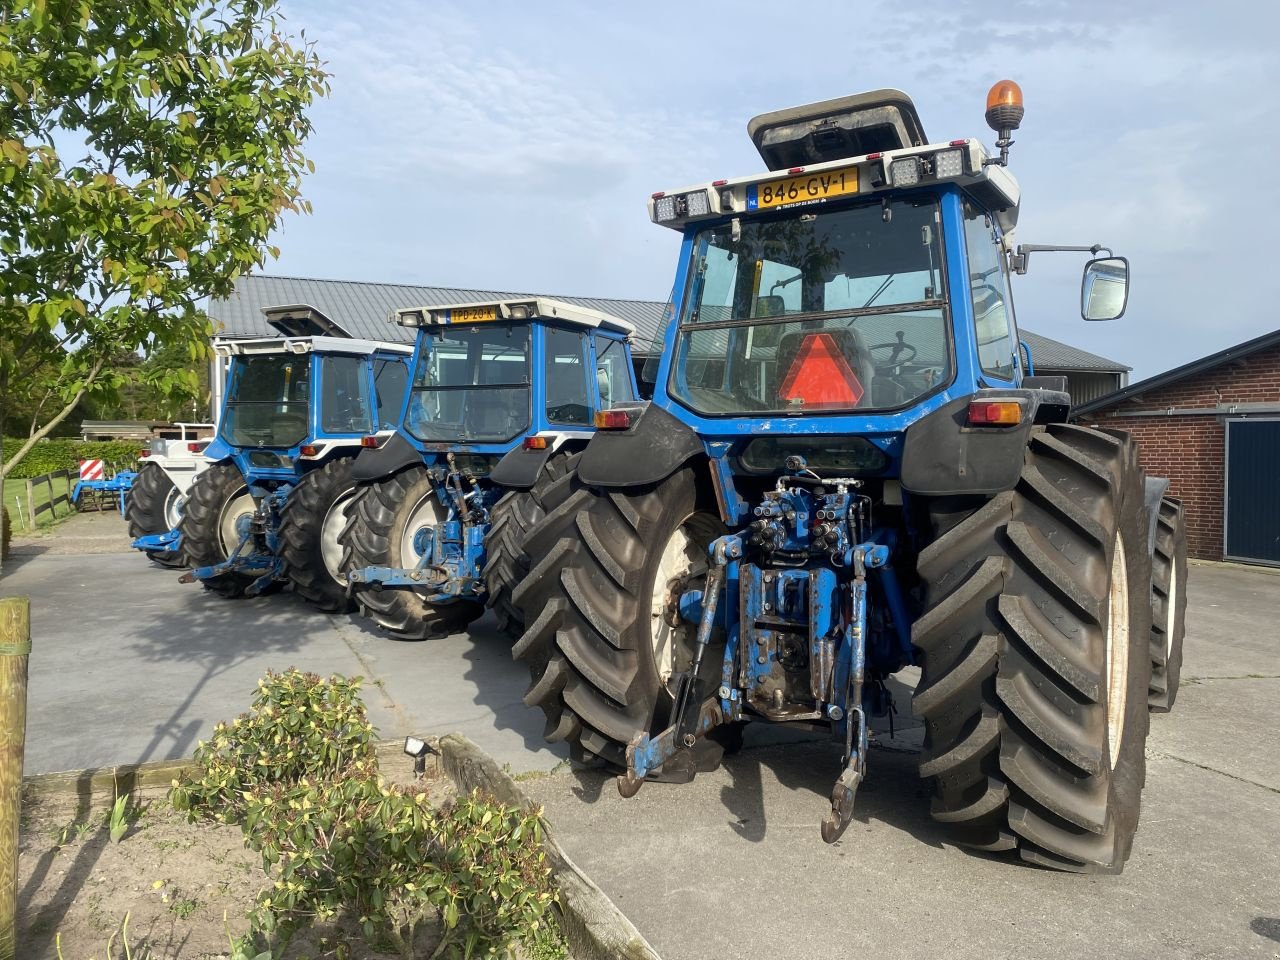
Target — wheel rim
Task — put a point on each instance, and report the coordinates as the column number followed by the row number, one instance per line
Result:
column 335, row 520
column 425, row 513
column 681, row 566
column 1170, row 609
column 240, row 504
column 173, row 502
column 1117, row 649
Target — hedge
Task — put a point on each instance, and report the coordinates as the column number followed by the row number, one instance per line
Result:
column 50, row 455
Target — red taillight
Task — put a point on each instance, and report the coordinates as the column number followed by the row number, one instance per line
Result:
column 659, row 195
column 308, row 450
column 195, row 447
column 959, row 143
column 143, row 454
column 612, row 419
column 820, row 376
column 874, row 156
column 995, row 413
column 794, row 170
column 535, row 443
column 370, row 443
column 719, row 183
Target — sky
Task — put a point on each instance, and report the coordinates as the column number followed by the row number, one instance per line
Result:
column 512, row 146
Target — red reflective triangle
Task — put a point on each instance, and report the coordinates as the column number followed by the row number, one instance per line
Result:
column 820, row 376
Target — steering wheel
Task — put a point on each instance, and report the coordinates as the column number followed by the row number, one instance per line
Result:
column 569, row 413
column 895, row 350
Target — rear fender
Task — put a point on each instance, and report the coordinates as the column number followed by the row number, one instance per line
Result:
column 653, row 447
column 378, row 463
column 943, row 455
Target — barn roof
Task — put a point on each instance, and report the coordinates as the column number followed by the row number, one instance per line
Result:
column 1237, row 352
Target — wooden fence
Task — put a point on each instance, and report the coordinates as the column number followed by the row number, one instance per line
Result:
column 51, row 500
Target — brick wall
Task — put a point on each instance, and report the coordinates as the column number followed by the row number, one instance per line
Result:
column 1189, row 450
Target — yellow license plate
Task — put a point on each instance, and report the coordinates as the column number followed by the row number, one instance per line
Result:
column 810, row 188
column 473, row 314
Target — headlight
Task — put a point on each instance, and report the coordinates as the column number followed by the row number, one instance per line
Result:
column 948, row 163
column 905, row 172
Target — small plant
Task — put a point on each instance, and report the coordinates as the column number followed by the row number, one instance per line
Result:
column 121, row 818
column 184, row 907
column 299, row 725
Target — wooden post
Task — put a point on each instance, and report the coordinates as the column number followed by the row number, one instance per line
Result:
column 15, row 645
column 31, row 502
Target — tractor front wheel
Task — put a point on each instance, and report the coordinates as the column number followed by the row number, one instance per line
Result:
column 311, row 520
column 604, row 643
column 384, row 519
column 1034, row 649
column 217, row 502
column 154, row 505
column 1168, row 604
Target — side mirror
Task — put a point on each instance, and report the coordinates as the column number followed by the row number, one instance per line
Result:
column 1104, row 292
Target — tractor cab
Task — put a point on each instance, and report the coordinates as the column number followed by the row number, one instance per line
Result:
column 503, row 392
column 295, row 409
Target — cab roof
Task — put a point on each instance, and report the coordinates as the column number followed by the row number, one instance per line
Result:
column 297, row 345
column 515, row 309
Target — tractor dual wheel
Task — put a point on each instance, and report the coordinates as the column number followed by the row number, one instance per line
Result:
column 154, row 505
column 512, row 520
column 311, row 521
column 1168, row 604
column 215, row 505
column 604, row 642
column 382, row 522
column 1034, row 647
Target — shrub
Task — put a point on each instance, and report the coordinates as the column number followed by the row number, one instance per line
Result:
column 299, row 725
column 298, row 773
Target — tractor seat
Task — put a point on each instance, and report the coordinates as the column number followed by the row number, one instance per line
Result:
column 851, row 345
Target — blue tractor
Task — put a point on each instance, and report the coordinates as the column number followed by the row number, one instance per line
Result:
column 848, row 468
column 434, row 533
column 270, row 505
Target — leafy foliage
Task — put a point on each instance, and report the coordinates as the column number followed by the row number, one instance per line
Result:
column 298, row 774
column 300, row 725
column 50, row 455
column 192, row 115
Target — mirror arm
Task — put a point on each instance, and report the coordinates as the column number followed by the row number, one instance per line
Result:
column 1018, row 260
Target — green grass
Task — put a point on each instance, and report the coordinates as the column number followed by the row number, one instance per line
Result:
column 20, row 510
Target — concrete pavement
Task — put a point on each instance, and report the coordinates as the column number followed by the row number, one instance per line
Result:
column 129, row 665
column 732, row 864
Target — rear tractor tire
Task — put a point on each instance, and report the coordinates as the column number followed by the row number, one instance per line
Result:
column 216, row 502
column 1034, row 647
column 512, row 520
column 382, row 520
column 154, row 505
column 602, row 644
column 1168, row 604
column 311, row 521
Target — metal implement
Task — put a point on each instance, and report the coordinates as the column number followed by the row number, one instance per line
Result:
column 258, row 552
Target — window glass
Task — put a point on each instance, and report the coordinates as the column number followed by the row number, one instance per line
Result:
column 390, row 381
column 344, row 396
column 566, row 383
column 267, row 401
column 989, row 292
column 815, row 312
column 471, row 384
column 613, row 372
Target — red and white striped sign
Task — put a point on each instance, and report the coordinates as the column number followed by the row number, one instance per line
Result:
column 91, row 470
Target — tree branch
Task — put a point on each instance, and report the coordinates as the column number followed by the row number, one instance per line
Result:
column 44, row 431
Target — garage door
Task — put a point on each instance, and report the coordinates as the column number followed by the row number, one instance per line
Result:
column 1253, row 495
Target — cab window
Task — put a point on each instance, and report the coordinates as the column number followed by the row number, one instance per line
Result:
column 565, row 378
column 613, row 372
column 989, row 292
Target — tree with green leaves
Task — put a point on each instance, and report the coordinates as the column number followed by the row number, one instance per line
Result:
column 148, row 148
